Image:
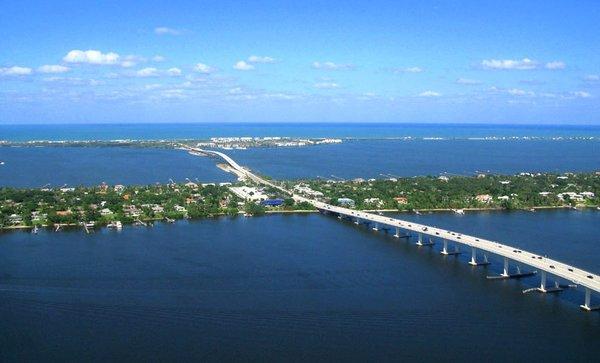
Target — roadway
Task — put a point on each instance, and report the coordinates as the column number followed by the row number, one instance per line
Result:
column 547, row 265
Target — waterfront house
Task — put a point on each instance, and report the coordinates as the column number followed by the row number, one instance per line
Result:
column 375, row 202
column 483, row 198
column 131, row 211
column 158, row 209
column 401, row 200
column 191, row 185
column 15, row 219
column 571, row 196
column 119, row 188
column 105, row 212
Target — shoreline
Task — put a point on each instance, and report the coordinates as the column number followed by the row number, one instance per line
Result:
column 302, row 211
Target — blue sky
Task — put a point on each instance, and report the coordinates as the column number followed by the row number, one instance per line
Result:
column 300, row 61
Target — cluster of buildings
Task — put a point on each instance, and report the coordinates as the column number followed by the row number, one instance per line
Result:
column 241, row 143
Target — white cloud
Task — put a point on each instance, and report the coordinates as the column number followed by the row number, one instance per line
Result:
column 15, row 71
column 203, row 68
column 75, row 81
column 259, row 59
column 128, row 64
column 152, row 86
column 429, row 94
column 91, row 57
column 556, row 65
column 132, row 60
column 154, row 72
column 326, row 85
column 330, row 66
column 147, row 72
column 519, row 92
column 243, row 66
column 409, row 70
column 174, row 71
column 468, row 82
column 53, row 68
column 158, row 58
column 523, row 64
column 592, row 78
column 163, row 30
column 581, row 94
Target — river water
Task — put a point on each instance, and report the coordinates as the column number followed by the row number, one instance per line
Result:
column 293, row 287
column 37, row 166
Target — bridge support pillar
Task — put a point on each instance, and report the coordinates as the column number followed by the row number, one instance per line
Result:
column 506, row 275
column 474, row 262
column 505, row 270
column 542, row 288
column 588, row 298
column 543, row 282
column 446, row 252
column 587, row 306
column 376, row 226
column 421, row 243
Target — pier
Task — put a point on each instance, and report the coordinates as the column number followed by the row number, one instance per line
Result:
column 511, row 256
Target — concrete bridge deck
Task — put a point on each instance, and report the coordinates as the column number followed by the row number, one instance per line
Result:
column 580, row 277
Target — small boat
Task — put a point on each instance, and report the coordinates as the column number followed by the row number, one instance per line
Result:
column 417, row 212
column 532, row 209
column 459, row 211
column 1, row 162
column 34, row 230
column 116, row 225
column 169, row 220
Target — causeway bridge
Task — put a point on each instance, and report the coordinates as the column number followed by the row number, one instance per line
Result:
column 451, row 241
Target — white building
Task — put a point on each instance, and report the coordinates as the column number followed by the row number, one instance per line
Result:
column 249, row 193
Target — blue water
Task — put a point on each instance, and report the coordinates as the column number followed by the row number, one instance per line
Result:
column 290, row 288
column 371, row 159
column 37, row 166
column 354, row 130
column 296, row 287
column 34, row 167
